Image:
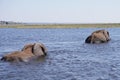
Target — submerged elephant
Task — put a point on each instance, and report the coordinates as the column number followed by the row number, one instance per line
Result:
column 29, row 51
column 99, row 36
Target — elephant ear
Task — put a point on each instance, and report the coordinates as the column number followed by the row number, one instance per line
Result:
column 27, row 46
column 39, row 49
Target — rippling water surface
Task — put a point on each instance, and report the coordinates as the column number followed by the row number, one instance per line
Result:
column 69, row 58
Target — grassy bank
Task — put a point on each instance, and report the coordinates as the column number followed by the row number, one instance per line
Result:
column 63, row 26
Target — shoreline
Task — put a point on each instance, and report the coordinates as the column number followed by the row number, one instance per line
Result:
column 109, row 25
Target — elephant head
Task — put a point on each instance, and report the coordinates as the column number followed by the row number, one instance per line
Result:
column 99, row 36
column 39, row 49
column 28, row 52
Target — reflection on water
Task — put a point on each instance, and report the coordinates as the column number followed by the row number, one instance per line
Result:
column 69, row 58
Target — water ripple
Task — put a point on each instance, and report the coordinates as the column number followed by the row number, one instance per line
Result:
column 69, row 58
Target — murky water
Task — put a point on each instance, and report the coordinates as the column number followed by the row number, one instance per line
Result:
column 69, row 58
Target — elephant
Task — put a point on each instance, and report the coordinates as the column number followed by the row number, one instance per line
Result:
column 29, row 51
column 99, row 36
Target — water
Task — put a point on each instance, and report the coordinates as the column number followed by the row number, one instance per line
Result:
column 69, row 58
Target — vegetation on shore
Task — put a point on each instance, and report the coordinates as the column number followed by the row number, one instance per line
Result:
column 4, row 24
column 61, row 26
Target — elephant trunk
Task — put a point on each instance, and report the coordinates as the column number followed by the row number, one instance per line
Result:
column 3, row 58
column 88, row 40
column 45, row 53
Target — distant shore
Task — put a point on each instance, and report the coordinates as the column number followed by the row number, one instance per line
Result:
column 61, row 26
